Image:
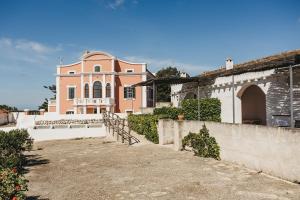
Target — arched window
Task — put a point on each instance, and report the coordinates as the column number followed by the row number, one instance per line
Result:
column 86, row 91
column 108, row 90
column 97, row 90
column 97, row 68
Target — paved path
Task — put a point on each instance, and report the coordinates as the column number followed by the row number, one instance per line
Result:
column 101, row 169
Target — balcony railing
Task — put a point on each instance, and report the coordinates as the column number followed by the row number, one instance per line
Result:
column 93, row 101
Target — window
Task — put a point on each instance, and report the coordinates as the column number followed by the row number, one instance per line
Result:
column 70, row 112
column 97, row 90
column 86, row 91
column 129, row 92
column 97, row 68
column 108, row 90
column 71, row 92
column 71, row 72
column 129, row 70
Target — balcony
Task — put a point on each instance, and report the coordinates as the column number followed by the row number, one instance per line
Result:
column 93, row 101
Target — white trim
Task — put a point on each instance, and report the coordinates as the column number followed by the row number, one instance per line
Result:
column 97, row 65
column 69, row 65
column 127, row 70
column 91, row 86
column 97, row 53
column 144, row 88
column 81, row 85
column 128, row 62
column 104, row 86
column 58, row 93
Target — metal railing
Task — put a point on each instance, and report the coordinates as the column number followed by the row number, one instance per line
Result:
column 119, row 127
column 93, row 101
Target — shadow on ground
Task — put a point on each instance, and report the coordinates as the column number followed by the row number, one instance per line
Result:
column 35, row 198
column 34, row 160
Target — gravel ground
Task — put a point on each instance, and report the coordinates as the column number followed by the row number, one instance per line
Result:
column 102, row 169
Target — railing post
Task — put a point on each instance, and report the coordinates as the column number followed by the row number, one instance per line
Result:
column 123, row 125
column 118, row 128
column 129, row 136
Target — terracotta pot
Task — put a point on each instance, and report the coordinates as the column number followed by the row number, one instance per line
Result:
column 180, row 117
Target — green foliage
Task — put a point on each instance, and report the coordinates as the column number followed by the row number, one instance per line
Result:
column 12, row 145
column 164, row 90
column 145, row 125
column 12, row 185
column 210, row 109
column 52, row 88
column 167, row 112
column 202, row 144
column 8, row 108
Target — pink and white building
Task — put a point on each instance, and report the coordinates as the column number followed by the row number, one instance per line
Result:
column 98, row 82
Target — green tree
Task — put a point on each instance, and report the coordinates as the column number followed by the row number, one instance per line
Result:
column 8, row 108
column 164, row 90
column 52, row 88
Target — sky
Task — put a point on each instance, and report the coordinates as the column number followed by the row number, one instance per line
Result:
column 192, row 35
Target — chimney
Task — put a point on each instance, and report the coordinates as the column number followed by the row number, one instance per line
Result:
column 229, row 63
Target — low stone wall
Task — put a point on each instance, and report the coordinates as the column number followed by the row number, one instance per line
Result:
column 274, row 151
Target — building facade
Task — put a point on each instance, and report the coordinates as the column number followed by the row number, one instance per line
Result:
column 98, row 82
column 259, row 92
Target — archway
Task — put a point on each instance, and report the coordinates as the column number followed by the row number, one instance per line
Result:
column 253, row 105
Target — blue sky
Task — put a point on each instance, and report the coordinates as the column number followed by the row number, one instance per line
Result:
column 193, row 35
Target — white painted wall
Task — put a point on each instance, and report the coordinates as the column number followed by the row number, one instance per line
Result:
column 275, row 86
column 272, row 150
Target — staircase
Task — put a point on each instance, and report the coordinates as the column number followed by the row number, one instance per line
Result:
column 119, row 128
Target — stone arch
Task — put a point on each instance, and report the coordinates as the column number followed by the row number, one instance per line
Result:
column 253, row 104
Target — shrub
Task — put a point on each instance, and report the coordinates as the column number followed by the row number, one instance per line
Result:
column 210, row 109
column 145, row 125
column 12, row 145
column 202, row 144
column 167, row 112
column 12, row 185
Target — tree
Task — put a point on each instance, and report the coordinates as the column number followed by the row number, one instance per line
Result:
column 8, row 108
column 164, row 90
column 52, row 88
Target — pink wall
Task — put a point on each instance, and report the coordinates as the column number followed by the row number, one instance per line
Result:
column 105, row 61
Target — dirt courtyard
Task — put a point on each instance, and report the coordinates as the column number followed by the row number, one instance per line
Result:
column 102, row 169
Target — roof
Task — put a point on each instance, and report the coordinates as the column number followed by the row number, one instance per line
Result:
column 277, row 61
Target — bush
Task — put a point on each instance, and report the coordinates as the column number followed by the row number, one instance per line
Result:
column 202, row 144
column 210, row 109
column 167, row 112
column 12, row 145
column 145, row 125
column 12, row 185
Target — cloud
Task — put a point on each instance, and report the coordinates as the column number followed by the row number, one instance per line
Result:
column 25, row 50
column 157, row 64
column 116, row 4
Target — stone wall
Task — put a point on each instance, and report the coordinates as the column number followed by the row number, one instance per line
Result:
column 274, row 151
